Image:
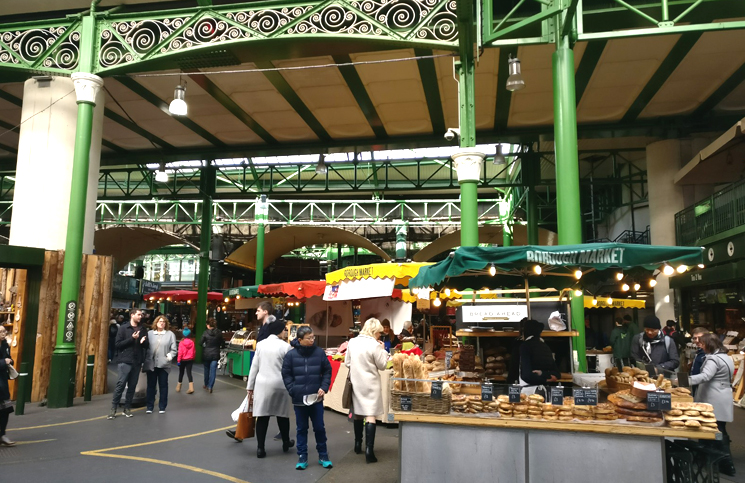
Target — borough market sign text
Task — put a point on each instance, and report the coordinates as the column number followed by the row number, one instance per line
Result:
column 577, row 257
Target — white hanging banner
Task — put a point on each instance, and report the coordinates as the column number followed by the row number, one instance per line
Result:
column 360, row 289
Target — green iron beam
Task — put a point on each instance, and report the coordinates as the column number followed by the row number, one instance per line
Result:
column 225, row 100
column 658, row 79
column 734, row 81
column 587, row 65
column 113, row 147
column 284, row 88
column 428, row 73
column 504, row 97
column 119, row 119
column 143, row 92
column 353, row 80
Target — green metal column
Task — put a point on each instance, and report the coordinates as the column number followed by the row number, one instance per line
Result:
column 261, row 214
column 532, row 171
column 506, row 234
column 64, row 357
column 569, row 215
column 401, row 234
column 207, row 187
column 467, row 163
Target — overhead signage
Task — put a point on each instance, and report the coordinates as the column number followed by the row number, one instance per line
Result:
column 608, row 256
column 359, row 289
column 493, row 313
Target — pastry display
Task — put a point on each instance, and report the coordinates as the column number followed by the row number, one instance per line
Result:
column 693, row 416
column 410, row 367
column 473, row 405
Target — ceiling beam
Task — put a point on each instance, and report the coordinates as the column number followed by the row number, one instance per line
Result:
column 504, row 97
column 279, row 83
column 658, row 79
column 586, row 68
column 113, row 147
column 10, row 149
column 225, row 100
column 357, row 87
column 431, row 84
column 734, row 81
column 143, row 92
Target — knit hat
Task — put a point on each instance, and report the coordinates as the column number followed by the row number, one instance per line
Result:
column 652, row 322
column 276, row 327
column 186, row 332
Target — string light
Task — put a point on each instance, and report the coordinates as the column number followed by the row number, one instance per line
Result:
column 619, row 276
column 437, row 302
column 594, row 301
column 578, row 274
column 652, row 282
column 227, row 299
column 668, row 270
column 609, row 301
column 700, row 265
column 682, row 268
column 637, row 287
column 537, row 269
column 578, row 293
column 492, row 269
column 625, row 287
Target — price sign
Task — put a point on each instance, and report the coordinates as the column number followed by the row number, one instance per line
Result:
column 436, row 390
column 659, row 401
column 406, row 403
column 487, row 392
column 557, row 396
column 448, row 357
column 514, row 394
column 585, row 397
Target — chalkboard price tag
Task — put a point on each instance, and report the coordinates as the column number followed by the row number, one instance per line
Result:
column 448, row 359
column 436, row 390
column 585, row 397
column 487, row 392
column 406, row 403
column 514, row 394
column 659, row 401
column 557, row 396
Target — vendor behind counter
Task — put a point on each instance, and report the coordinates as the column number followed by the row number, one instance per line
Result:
column 537, row 365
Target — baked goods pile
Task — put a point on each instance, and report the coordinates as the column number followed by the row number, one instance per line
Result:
column 410, row 366
column 496, row 361
column 693, row 416
column 633, row 408
column 472, row 404
column 629, row 375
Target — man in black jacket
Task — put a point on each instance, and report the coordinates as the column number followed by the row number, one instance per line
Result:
column 131, row 342
column 264, row 317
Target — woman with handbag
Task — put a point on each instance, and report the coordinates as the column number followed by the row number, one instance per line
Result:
column 365, row 357
column 265, row 385
column 6, row 406
column 160, row 353
column 714, row 386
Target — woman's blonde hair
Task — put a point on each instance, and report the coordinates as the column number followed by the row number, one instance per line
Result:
column 372, row 327
column 158, row 319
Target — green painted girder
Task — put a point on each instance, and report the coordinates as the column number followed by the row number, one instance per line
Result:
column 284, row 88
column 225, row 100
column 119, row 119
column 431, row 85
column 143, row 92
column 353, row 80
column 113, row 147
column 593, row 52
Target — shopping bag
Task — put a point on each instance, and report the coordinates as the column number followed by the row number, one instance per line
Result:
column 245, row 427
column 346, row 396
column 241, row 409
column 12, row 373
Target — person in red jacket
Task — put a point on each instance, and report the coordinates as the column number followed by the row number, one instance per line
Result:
column 186, row 354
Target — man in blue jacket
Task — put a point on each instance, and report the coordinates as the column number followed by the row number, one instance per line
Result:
column 306, row 372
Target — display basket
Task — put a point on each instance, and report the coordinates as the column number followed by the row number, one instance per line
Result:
column 422, row 402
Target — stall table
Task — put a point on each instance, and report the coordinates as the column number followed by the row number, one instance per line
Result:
column 457, row 448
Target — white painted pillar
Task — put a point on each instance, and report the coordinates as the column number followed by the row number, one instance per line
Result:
column 44, row 169
column 665, row 200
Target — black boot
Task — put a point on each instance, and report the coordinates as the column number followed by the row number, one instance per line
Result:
column 358, row 425
column 726, row 466
column 370, row 443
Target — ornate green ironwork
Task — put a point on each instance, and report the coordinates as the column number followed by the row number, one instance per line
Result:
column 41, row 47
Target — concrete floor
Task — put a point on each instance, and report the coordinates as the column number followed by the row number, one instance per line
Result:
column 188, row 444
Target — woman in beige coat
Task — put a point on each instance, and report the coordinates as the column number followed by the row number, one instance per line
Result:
column 365, row 357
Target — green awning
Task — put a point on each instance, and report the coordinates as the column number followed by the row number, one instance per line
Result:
column 560, row 260
column 246, row 292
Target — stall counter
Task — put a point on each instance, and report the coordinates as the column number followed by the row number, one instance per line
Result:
column 528, row 451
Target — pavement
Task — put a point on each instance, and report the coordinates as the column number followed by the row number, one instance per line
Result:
column 186, row 444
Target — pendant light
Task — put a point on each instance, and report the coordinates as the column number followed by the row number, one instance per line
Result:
column 321, row 167
column 178, row 104
column 515, row 81
column 161, row 176
column 499, row 157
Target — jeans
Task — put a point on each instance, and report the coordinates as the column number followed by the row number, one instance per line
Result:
column 157, row 376
column 210, row 372
column 315, row 413
column 129, row 374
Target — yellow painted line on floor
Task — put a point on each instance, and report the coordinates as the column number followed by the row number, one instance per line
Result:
column 33, row 442
column 103, row 453
column 68, row 422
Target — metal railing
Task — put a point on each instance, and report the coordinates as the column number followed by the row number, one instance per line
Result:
column 722, row 211
column 627, row 236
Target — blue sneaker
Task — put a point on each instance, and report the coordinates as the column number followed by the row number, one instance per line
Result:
column 324, row 461
column 302, row 462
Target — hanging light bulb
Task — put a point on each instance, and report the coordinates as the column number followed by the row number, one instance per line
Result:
column 437, row 302
column 668, row 270
column 578, row 293
column 321, row 167
column 578, row 274
column 447, row 292
column 492, row 269
column 537, row 269
column 609, row 301
column 637, row 287
column 594, row 301
column 652, row 282
column 227, row 299
column 700, row 265
column 237, row 297
column 188, row 302
column 161, row 176
column 515, row 81
column 625, row 287
column 499, row 157
column 619, row 276
column 178, row 104
column 682, row 268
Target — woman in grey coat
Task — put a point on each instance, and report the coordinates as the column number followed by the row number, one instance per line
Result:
column 160, row 353
column 714, row 386
column 267, row 388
